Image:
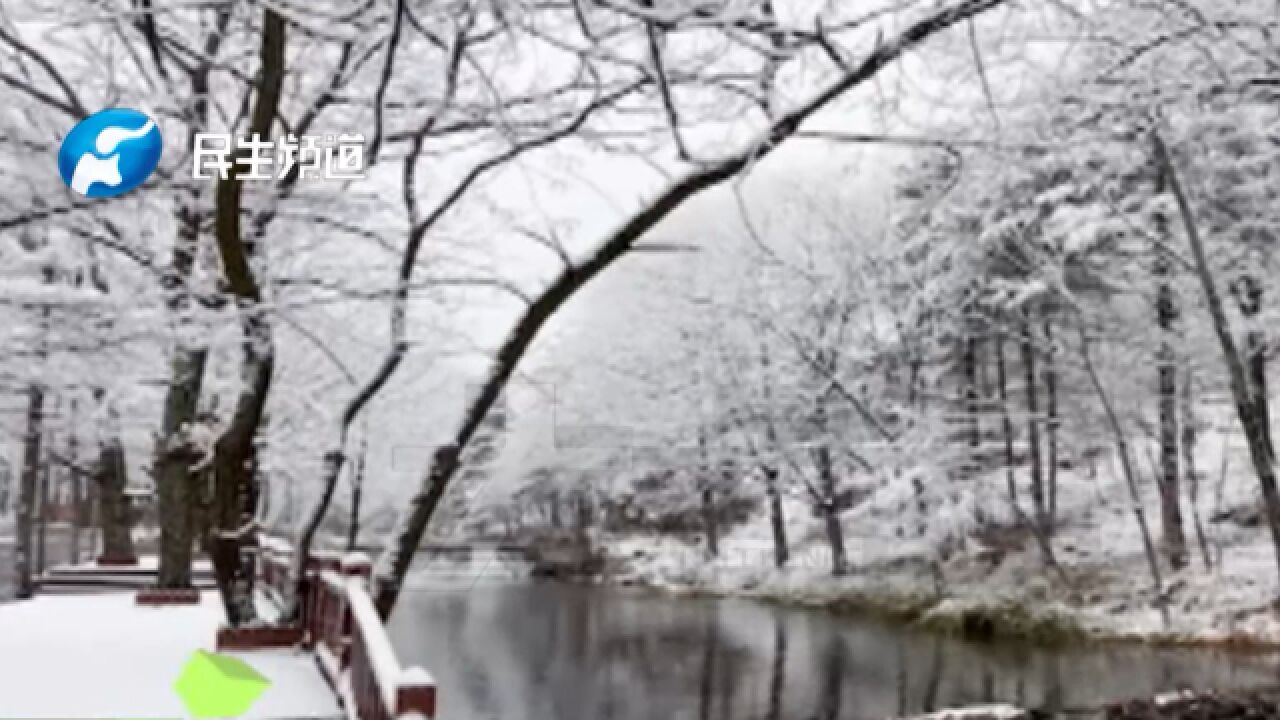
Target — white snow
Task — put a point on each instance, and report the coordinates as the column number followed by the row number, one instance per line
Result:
column 355, row 559
column 267, row 605
column 103, row 656
column 145, row 562
column 977, row 712
column 415, row 676
column 1097, row 542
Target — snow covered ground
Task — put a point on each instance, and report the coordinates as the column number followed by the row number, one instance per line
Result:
column 894, row 542
column 979, row 712
column 145, row 562
column 102, row 656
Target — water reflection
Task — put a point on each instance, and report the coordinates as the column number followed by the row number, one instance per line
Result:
column 534, row 652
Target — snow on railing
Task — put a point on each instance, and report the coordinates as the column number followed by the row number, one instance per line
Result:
column 350, row 642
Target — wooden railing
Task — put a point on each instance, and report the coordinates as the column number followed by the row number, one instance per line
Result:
column 350, row 642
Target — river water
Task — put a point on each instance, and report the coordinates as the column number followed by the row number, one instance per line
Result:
column 542, row 651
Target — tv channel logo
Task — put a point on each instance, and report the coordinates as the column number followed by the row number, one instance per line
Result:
column 110, row 152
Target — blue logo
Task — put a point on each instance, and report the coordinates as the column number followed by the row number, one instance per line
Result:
column 110, row 152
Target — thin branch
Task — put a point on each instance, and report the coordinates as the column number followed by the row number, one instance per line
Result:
column 379, row 97
column 71, row 104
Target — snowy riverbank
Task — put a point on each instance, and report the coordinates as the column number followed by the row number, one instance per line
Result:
column 1016, row 601
column 922, row 558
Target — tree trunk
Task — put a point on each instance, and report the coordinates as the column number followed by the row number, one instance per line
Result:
column 114, row 513
column 31, row 455
column 76, row 480
column 1033, row 431
column 706, row 491
column 6, row 480
column 1246, row 405
column 175, row 484
column 234, row 472
column 1039, row 525
column 828, row 504
column 974, row 425
column 1002, row 384
column 1258, row 374
column 1175, row 543
column 1250, row 302
column 93, row 517
column 1130, row 478
column 78, row 518
column 357, row 486
column 173, row 457
column 172, row 468
column 710, row 524
column 234, row 532
column 1189, row 460
column 235, row 452
column 554, row 510
column 586, row 511
column 202, row 509
column 1051, row 427
column 445, row 460
column 44, row 480
column 835, row 538
column 777, row 520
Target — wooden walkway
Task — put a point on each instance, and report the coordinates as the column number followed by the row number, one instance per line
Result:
column 86, row 623
column 104, row 656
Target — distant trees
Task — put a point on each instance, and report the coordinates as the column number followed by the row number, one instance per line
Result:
column 776, row 128
column 928, row 366
column 1010, row 250
column 1080, row 228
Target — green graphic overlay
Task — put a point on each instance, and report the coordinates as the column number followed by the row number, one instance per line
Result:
column 218, row 686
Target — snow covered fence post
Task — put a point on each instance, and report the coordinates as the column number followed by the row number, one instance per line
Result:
column 415, row 694
column 354, row 565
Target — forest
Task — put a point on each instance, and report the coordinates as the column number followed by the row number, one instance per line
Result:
column 958, row 307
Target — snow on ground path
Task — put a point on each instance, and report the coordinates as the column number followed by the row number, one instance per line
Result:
column 145, row 562
column 102, row 656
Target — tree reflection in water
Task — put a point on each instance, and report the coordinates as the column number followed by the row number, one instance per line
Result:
column 531, row 652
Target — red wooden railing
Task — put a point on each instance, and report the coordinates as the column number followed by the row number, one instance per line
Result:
column 350, row 642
